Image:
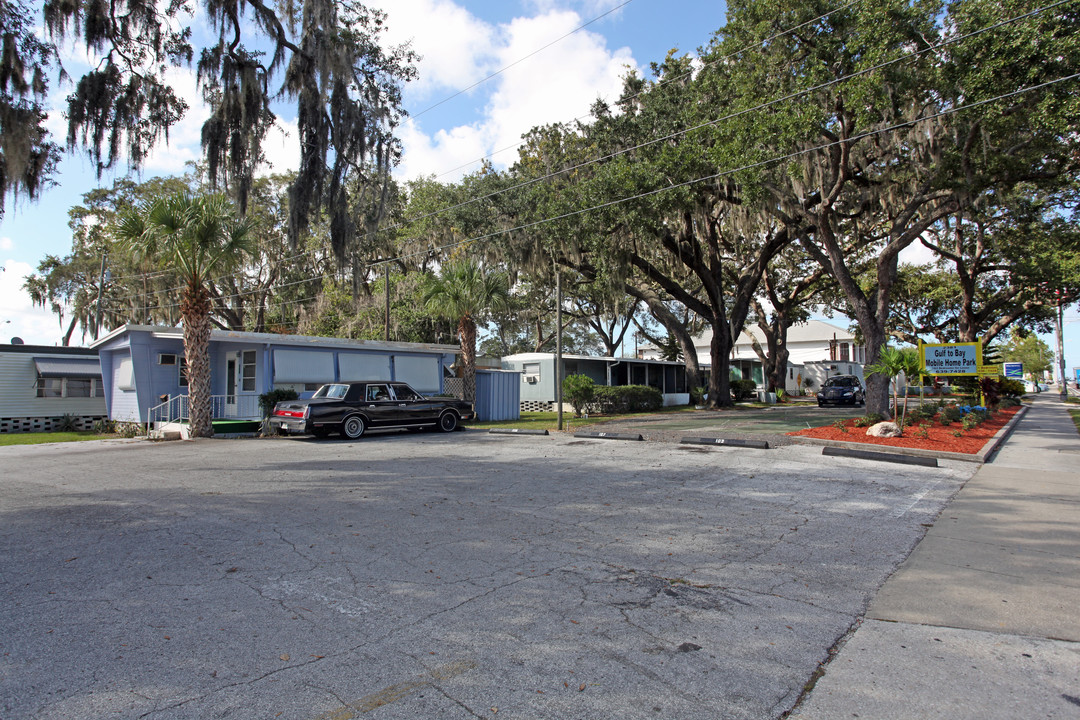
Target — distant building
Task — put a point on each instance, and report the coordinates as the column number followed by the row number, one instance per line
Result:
column 538, row 376
column 40, row 384
column 816, row 351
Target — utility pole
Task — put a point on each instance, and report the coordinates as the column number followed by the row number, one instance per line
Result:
column 1061, row 351
column 101, row 294
column 558, row 346
column 387, row 316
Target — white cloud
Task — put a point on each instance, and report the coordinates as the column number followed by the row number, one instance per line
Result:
column 454, row 44
column 918, row 254
column 449, row 153
column 6, row 243
column 185, row 138
column 281, row 148
column 18, row 316
column 557, row 84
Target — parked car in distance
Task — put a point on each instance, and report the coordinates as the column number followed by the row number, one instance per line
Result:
column 842, row 390
column 352, row 408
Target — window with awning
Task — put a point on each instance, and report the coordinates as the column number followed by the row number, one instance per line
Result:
column 67, row 367
column 68, row 377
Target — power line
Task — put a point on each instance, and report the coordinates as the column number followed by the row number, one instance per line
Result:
column 666, row 81
column 716, row 121
column 706, row 178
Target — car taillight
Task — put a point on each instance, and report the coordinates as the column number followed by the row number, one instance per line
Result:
column 283, row 412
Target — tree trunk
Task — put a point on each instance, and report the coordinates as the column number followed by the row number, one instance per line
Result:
column 195, row 309
column 720, row 356
column 467, row 337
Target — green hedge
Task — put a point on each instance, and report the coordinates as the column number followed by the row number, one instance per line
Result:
column 625, row 399
column 268, row 400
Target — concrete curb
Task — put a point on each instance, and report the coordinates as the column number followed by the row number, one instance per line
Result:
column 726, row 442
column 861, row 454
column 516, row 431
column 609, row 436
column 989, row 448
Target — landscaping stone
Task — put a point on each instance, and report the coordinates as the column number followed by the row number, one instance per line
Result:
column 884, row 429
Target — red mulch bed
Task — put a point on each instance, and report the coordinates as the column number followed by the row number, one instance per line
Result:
column 939, row 437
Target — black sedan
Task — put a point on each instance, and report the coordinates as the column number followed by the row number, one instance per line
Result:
column 842, row 390
column 352, row 408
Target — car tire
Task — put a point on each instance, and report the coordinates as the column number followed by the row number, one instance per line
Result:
column 448, row 422
column 353, row 427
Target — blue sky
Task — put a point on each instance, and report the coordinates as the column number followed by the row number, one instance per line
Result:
column 461, row 43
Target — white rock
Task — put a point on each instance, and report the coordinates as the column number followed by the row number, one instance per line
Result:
column 884, row 430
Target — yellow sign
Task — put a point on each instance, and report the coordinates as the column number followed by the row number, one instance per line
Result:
column 989, row 370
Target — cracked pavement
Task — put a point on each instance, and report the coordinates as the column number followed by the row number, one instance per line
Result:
column 438, row 576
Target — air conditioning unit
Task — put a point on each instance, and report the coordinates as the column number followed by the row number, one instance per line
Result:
column 532, row 379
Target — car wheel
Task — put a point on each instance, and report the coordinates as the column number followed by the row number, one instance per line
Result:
column 448, row 422
column 353, row 427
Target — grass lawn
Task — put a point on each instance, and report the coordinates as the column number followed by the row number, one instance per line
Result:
column 550, row 420
column 40, row 438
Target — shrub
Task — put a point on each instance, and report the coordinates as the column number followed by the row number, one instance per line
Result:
column 104, row 427
column 957, row 433
column 743, row 389
column 579, row 391
column 923, row 411
column 950, row 414
column 991, row 390
column 781, row 395
column 840, row 425
column 869, row 419
column 1011, row 388
column 67, row 423
column 129, row 429
column 1008, row 402
column 697, row 395
column 268, row 400
column 625, row 398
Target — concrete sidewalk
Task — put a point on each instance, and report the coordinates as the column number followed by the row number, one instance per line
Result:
column 983, row 619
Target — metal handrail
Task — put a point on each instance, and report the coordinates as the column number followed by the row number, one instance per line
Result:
column 178, row 409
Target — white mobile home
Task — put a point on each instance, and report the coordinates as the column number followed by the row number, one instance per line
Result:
column 538, row 376
column 40, row 384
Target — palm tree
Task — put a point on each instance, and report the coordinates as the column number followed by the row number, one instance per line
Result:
column 891, row 362
column 197, row 237
column 462, row 291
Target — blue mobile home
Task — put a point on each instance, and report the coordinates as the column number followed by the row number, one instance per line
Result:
column 143, row 367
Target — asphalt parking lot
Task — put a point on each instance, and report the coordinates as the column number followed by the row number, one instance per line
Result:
column 438, row 576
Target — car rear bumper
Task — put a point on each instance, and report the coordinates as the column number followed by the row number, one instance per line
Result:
column 290, row 426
